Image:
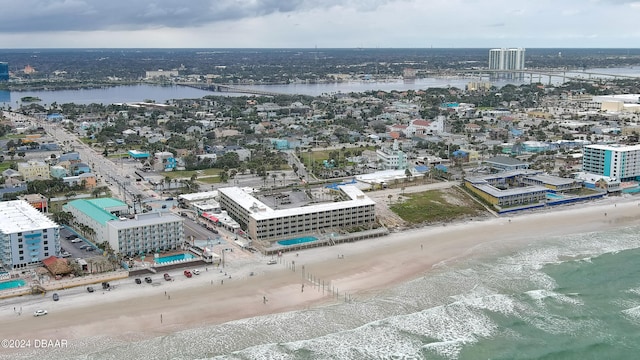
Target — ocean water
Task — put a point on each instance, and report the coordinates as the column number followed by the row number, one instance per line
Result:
column 571, row 297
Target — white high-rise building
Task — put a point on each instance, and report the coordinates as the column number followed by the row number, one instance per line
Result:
column 506, row 59
column 621, row 162
column 26, row 235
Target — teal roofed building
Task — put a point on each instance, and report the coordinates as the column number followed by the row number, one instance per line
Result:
column 145, row 233
column 58, row 172
column 96, row 213
column 280, row 144
column 136, row 154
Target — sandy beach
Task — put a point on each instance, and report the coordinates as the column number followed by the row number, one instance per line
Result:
column 329, row 274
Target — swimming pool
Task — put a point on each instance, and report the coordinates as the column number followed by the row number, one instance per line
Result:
column 553, row 196
column 300, row 240
column 12, row 284
column 176, row 257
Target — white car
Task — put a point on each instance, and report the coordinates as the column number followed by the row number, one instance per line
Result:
column 195, row 272
column 272, row 262
column 40, row 313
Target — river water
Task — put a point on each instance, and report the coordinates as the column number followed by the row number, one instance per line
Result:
column 161, row 94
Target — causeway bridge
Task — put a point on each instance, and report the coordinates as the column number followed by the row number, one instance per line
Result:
column 229, row 89
column 549, row 74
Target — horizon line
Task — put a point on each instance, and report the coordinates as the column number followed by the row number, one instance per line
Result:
column 314, row 48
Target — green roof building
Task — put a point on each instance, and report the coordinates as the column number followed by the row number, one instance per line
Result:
column 144, row 233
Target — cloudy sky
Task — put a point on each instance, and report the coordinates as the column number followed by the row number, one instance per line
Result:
column 319, row 23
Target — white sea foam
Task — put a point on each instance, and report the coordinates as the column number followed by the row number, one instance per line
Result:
column 542, row 294
column 633, row 314
column 442, row 313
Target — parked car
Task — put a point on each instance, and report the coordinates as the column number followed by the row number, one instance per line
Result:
column 76, row 240
column 187, row 273
column 195, row 272
column 167, row 277
column 105, row 285
column 148, row 280
column 56, row 297
column 90, row 289
column 40, row 313
column 138, row 281
column 272, row 262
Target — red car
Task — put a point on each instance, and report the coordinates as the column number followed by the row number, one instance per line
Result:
column 187, row 273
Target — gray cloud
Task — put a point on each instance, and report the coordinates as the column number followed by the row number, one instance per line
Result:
column 88, row 15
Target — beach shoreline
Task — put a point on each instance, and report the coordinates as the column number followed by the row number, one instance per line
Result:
column 345, row 272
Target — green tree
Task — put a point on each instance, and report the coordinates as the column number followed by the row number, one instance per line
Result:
column 62, row 217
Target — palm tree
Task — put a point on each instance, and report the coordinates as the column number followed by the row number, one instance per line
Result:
column 62, row 217
column 408, row 174
column 96, row 192
column 224, row 176
column 137, row 200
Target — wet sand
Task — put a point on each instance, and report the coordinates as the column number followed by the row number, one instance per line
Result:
column 132, row 312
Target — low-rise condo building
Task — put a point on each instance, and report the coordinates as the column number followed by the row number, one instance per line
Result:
column 144, row 233
column 261, row 222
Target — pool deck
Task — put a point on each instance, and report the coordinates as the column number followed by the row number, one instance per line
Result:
column 149, row 265
column 274, row 248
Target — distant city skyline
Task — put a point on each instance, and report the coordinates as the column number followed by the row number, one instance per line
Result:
column 322, row 24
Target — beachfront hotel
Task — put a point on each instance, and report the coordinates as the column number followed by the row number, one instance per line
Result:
column 150, row 232
column 263, row 223
column 621, row 162
column 26, row 235
column 495, row 189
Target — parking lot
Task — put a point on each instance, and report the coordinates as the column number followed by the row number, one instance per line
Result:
column 74, row 246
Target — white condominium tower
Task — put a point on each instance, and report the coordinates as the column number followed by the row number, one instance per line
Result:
column 621, row 162
column 506, row 59
column 27, row 236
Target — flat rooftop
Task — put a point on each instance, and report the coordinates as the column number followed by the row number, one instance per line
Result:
column 199, row 196
column 615, row 147
column 145, row 219
column 19, row 216
column 260, row 211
